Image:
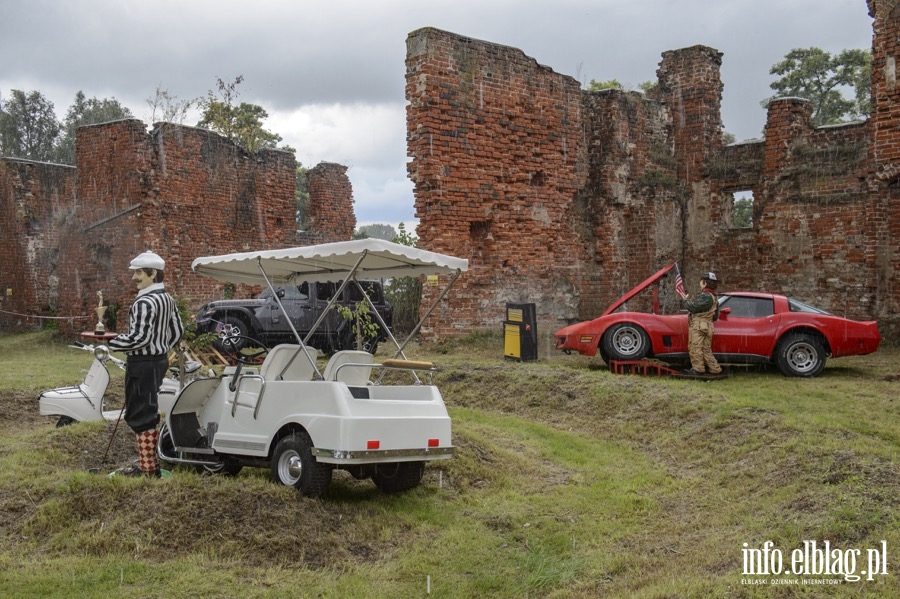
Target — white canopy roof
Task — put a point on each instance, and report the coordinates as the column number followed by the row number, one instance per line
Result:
column 328, row 262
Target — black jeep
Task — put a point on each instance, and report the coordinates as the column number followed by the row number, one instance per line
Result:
column 262, row 319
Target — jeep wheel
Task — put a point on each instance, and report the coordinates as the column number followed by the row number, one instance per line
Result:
column 399, row 476
column 294, row 465
column 348, row 341
column 233, row 336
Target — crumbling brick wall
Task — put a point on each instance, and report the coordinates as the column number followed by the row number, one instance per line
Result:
column 558, row 197
column 883, row 213
column 331, row 216
column 568, row 198
column 497, row 152
column 34, row 202
column 181, row 191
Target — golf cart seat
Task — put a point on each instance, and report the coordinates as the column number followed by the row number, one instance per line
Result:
column 300, row 369
column 351, row 367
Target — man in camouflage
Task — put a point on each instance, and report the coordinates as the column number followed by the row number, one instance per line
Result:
column 702, row 312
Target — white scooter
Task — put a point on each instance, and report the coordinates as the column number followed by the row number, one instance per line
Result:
column 84, row 402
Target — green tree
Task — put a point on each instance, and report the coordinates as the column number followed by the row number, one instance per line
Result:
column 86, row 112
column 301, row 195
column 242, row 123
column 821, row 78
column 404, row 293
column 166, row 107
column 28, row 126
column 596, row 86
column 743, row 212
column 378, row 231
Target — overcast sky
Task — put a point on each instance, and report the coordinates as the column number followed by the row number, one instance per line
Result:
column 331, row 73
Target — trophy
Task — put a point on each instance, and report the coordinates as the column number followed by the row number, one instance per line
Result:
column 99, row 329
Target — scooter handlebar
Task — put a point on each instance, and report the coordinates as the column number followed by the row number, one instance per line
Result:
column 101, row 353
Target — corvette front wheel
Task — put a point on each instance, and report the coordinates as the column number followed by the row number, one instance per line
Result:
column 625, row 341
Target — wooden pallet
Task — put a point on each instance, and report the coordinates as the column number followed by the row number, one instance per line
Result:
column 649, row 368
column 641, row 367
column 208, row 357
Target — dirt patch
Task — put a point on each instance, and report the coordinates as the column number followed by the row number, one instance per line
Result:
column 18, row 408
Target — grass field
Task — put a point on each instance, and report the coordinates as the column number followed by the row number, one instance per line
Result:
column 568, row 481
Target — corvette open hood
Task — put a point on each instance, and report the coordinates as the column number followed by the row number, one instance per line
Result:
column 639, row 288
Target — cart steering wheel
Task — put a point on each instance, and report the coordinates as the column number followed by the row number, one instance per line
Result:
column 231, row 343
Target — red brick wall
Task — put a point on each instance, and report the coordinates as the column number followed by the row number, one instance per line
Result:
column 182, row 192
column 568, row 198
column 497, row 152
column 883, row 209
column 331, row 216
column 34, row 202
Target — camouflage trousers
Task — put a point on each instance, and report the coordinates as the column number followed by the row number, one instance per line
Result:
column 700, row 335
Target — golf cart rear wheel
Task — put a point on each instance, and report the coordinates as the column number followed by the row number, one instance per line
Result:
column 65, row 421
column 294, row 465
column 399, row 476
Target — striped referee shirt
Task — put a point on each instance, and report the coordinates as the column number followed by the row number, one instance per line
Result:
column 155, row 324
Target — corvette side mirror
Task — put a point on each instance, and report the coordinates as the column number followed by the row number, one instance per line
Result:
column 724, row 312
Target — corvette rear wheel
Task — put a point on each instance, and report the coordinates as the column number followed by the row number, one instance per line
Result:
column 800, row 354
column 625, row 341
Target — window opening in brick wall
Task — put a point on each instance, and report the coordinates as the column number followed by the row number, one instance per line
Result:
column 480, row 230
column 742, row 209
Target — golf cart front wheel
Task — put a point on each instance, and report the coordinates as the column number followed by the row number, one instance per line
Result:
column 294, row 465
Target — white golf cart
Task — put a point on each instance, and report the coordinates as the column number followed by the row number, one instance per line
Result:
column 286, row 414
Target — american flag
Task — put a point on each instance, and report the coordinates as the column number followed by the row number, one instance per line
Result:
column 679, row 283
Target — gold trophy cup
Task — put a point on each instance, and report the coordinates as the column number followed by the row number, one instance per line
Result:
column 99, row 329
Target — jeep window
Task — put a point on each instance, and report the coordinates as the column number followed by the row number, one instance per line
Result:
column 327, row 290
column 372, row 288
column 290, row 292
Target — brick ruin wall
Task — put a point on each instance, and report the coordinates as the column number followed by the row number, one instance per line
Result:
column 331, row 217
column 34, row 200
column 884, row 156
column 567, row 198
column 181, row 191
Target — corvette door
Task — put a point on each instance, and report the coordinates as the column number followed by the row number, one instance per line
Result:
column 748, row 327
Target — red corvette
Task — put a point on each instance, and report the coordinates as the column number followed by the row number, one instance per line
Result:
column 752, row 328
